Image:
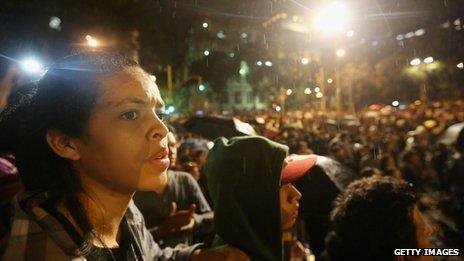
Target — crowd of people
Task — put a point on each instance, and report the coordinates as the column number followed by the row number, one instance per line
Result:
column 98, row 173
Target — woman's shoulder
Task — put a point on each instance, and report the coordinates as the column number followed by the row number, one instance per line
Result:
column 36, row 234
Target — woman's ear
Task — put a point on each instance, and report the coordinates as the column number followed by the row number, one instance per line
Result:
column 62, row 144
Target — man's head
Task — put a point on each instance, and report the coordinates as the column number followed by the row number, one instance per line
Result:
column 373, row 217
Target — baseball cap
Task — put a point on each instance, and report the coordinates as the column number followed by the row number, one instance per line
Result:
column 296, row 167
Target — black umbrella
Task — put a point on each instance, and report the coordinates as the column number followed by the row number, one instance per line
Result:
column 323, row 182
column 212, row 127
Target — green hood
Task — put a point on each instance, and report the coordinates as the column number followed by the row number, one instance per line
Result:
column 243, row 178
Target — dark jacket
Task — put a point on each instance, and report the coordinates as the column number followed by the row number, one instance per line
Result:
column 243, row 177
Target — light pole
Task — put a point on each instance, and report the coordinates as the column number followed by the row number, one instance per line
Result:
column 331, row 20
column 338, row 91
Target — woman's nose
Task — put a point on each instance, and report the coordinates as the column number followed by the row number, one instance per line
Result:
column 158, row 130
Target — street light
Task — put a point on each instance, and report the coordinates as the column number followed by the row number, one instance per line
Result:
column 206, row 52
column 307, row 91
column 317, row 89
column 460, row 66
column 92, row 42
column 428, row 59
column 304, row 61
column 289, row 92
column 415, row 62
column 330, row 80
column 341, row 52
column 205, row 25
column 32, row 65
column 331, row 18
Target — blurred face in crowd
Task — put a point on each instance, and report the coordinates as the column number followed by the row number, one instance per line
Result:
column 172, row 144
column 125, row 145
column 289, row 197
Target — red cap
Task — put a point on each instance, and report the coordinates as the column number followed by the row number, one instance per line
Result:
column 297, row 166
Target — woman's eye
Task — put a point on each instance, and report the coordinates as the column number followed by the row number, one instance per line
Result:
column 130, row 115
column 162, row 116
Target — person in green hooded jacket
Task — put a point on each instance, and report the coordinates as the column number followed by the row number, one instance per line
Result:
column 249, row 181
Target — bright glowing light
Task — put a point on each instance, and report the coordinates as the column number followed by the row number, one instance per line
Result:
column 231, row 55
column 289, row 92
column 409, row 35
column 244, row 35
column 399, row 37
column 319, row 95
column 395, row 103
column 242, row 71
column 206, row 52
column 201, row 87
column 341, row 52
column 259, row 63
column 304, row 61
column 417, row 102
column 350, row 33
column 307, row 91
column 415, row 62
column 31, row 65
column 420, row 32
column 317, row 89
column 92, row 42
column 268, row 63
column 460, row 66
column 331, row 18
column 205, row 25
column 330, row 80
column 55, row 23
column 428, row 59
column 278, row 108
column 221, row 34
column 170, row 109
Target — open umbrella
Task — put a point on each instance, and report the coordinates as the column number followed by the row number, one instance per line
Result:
column 212, row 127
column 454, row 136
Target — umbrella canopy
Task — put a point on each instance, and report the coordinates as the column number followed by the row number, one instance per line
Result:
column 454, row 136
column 197, row 144
column 212, row 127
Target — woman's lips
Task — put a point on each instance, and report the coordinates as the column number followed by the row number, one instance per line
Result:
column 161, row 158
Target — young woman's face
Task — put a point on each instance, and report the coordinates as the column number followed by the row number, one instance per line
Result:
column 289, row 197
column 124, row 146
